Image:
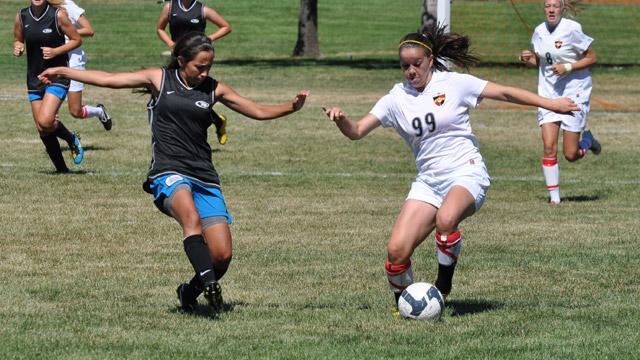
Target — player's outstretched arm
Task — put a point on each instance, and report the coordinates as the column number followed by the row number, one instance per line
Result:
column 523, row 97
column 353, row 130
column 223, row 26
column 147, row 78
column 18, row 37
column 249, row 108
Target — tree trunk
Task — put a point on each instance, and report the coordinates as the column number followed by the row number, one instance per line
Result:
column 429, row 14
column 307, row 44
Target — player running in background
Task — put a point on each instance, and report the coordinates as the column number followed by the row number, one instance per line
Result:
column 563, row 55
column 182, row 177
column 41, row 29
column 430, row 111
column 184, row 16
column 77, row 60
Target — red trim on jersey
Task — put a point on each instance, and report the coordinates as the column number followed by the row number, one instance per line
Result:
column 549, row 161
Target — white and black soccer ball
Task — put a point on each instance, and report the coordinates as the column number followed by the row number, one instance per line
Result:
column 421, row 301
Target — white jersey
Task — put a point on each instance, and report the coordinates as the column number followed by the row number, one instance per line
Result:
column 435, row 122
column 77, row 57
column 566, row 44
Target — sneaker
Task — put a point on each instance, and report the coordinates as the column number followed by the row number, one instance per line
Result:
column 594, row 146
column 220, row 121
column 213, row 294
column 77, row 152
column 187, row 306
column 105, row 119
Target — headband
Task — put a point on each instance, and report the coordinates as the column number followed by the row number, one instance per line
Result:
column 416, row 42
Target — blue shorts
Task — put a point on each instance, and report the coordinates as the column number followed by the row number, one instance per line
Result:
column 56, row 90
column 209, row 200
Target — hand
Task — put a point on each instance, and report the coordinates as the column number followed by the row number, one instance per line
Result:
column 558, row 69
column 298, row 101
column 334, row 114
column 18, row 48
column 49, row 53
column 565, row 105
column 48, row 76
column 526, row 55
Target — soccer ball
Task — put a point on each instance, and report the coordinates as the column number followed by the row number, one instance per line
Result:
column 421, row 301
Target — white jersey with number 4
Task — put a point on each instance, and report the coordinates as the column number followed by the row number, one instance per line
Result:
column 566, row 44
column 435, row 122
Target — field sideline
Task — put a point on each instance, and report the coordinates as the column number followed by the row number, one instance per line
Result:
column 89, row 266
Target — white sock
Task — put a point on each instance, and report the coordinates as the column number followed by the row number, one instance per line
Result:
column 92, row 111
column 551, row 172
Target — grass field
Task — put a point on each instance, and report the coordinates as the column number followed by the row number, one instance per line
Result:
column 89, row 266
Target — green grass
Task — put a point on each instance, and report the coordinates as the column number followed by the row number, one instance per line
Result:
column 89, row 266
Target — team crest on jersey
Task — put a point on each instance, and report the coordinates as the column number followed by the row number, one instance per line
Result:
column 558, row 44
column 47, row 31
column 439, row 99
column 195, row 21
column 202, row 104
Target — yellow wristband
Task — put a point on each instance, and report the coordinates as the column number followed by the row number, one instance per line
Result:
column 567, row 68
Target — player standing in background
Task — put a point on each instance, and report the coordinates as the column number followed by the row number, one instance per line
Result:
column 563, row 55
column 42, row 29
column 182, row 177
column 77, row 60
column 184, row 16
column 430, row 111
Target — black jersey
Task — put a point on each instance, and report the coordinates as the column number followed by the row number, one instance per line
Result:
column 179, row 118
column 184, row 20
column 41, row 32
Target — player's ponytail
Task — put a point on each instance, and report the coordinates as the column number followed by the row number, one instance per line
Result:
column 188, row 46
column 572, row 6
column 445, row 47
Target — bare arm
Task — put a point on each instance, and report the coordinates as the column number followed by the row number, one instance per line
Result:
column 236, row 102
column 85, row 30
column 74, row 38
column 223, row 26
column 353, row 130
column 523, row 97
column 161, row 25
column 18, row 37
column 148, row 78
column 588, row 59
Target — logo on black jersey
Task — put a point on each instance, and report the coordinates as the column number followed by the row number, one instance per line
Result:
column 202, row 104
column 439, row 99
column 47, row 31
column 558, row 44
column 195, row 21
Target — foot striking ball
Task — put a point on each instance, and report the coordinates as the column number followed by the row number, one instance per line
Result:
column 421, row 301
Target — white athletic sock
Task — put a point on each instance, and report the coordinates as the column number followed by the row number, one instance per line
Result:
column 92, row 111
column 551, row 172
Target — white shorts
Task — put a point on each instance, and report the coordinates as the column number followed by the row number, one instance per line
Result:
column 76, row 86
column 576, row 122
column 473, row 177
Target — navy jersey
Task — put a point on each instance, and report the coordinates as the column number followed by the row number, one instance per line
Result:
column 41, row 32
column 184, row 20
column 179, row 118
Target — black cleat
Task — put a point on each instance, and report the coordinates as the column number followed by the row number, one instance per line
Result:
column 105, row 119
column 213, row 294
column 187, row 306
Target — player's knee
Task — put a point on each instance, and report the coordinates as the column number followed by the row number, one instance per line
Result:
column 398, row 253
column 191, row 223
column 76, row 112
column 222, row 258
column 550, row 150
column 446, row 222
column 572, row 157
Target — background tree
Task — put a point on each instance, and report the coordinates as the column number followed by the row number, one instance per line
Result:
column 307, row 44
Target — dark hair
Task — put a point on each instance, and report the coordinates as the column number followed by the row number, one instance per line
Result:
column 444, row 47
column 188, row 46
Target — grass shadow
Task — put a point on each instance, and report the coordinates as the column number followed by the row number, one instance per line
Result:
column 470, row 307
column 204, row 311
column 580, row 198
column 71, row 172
